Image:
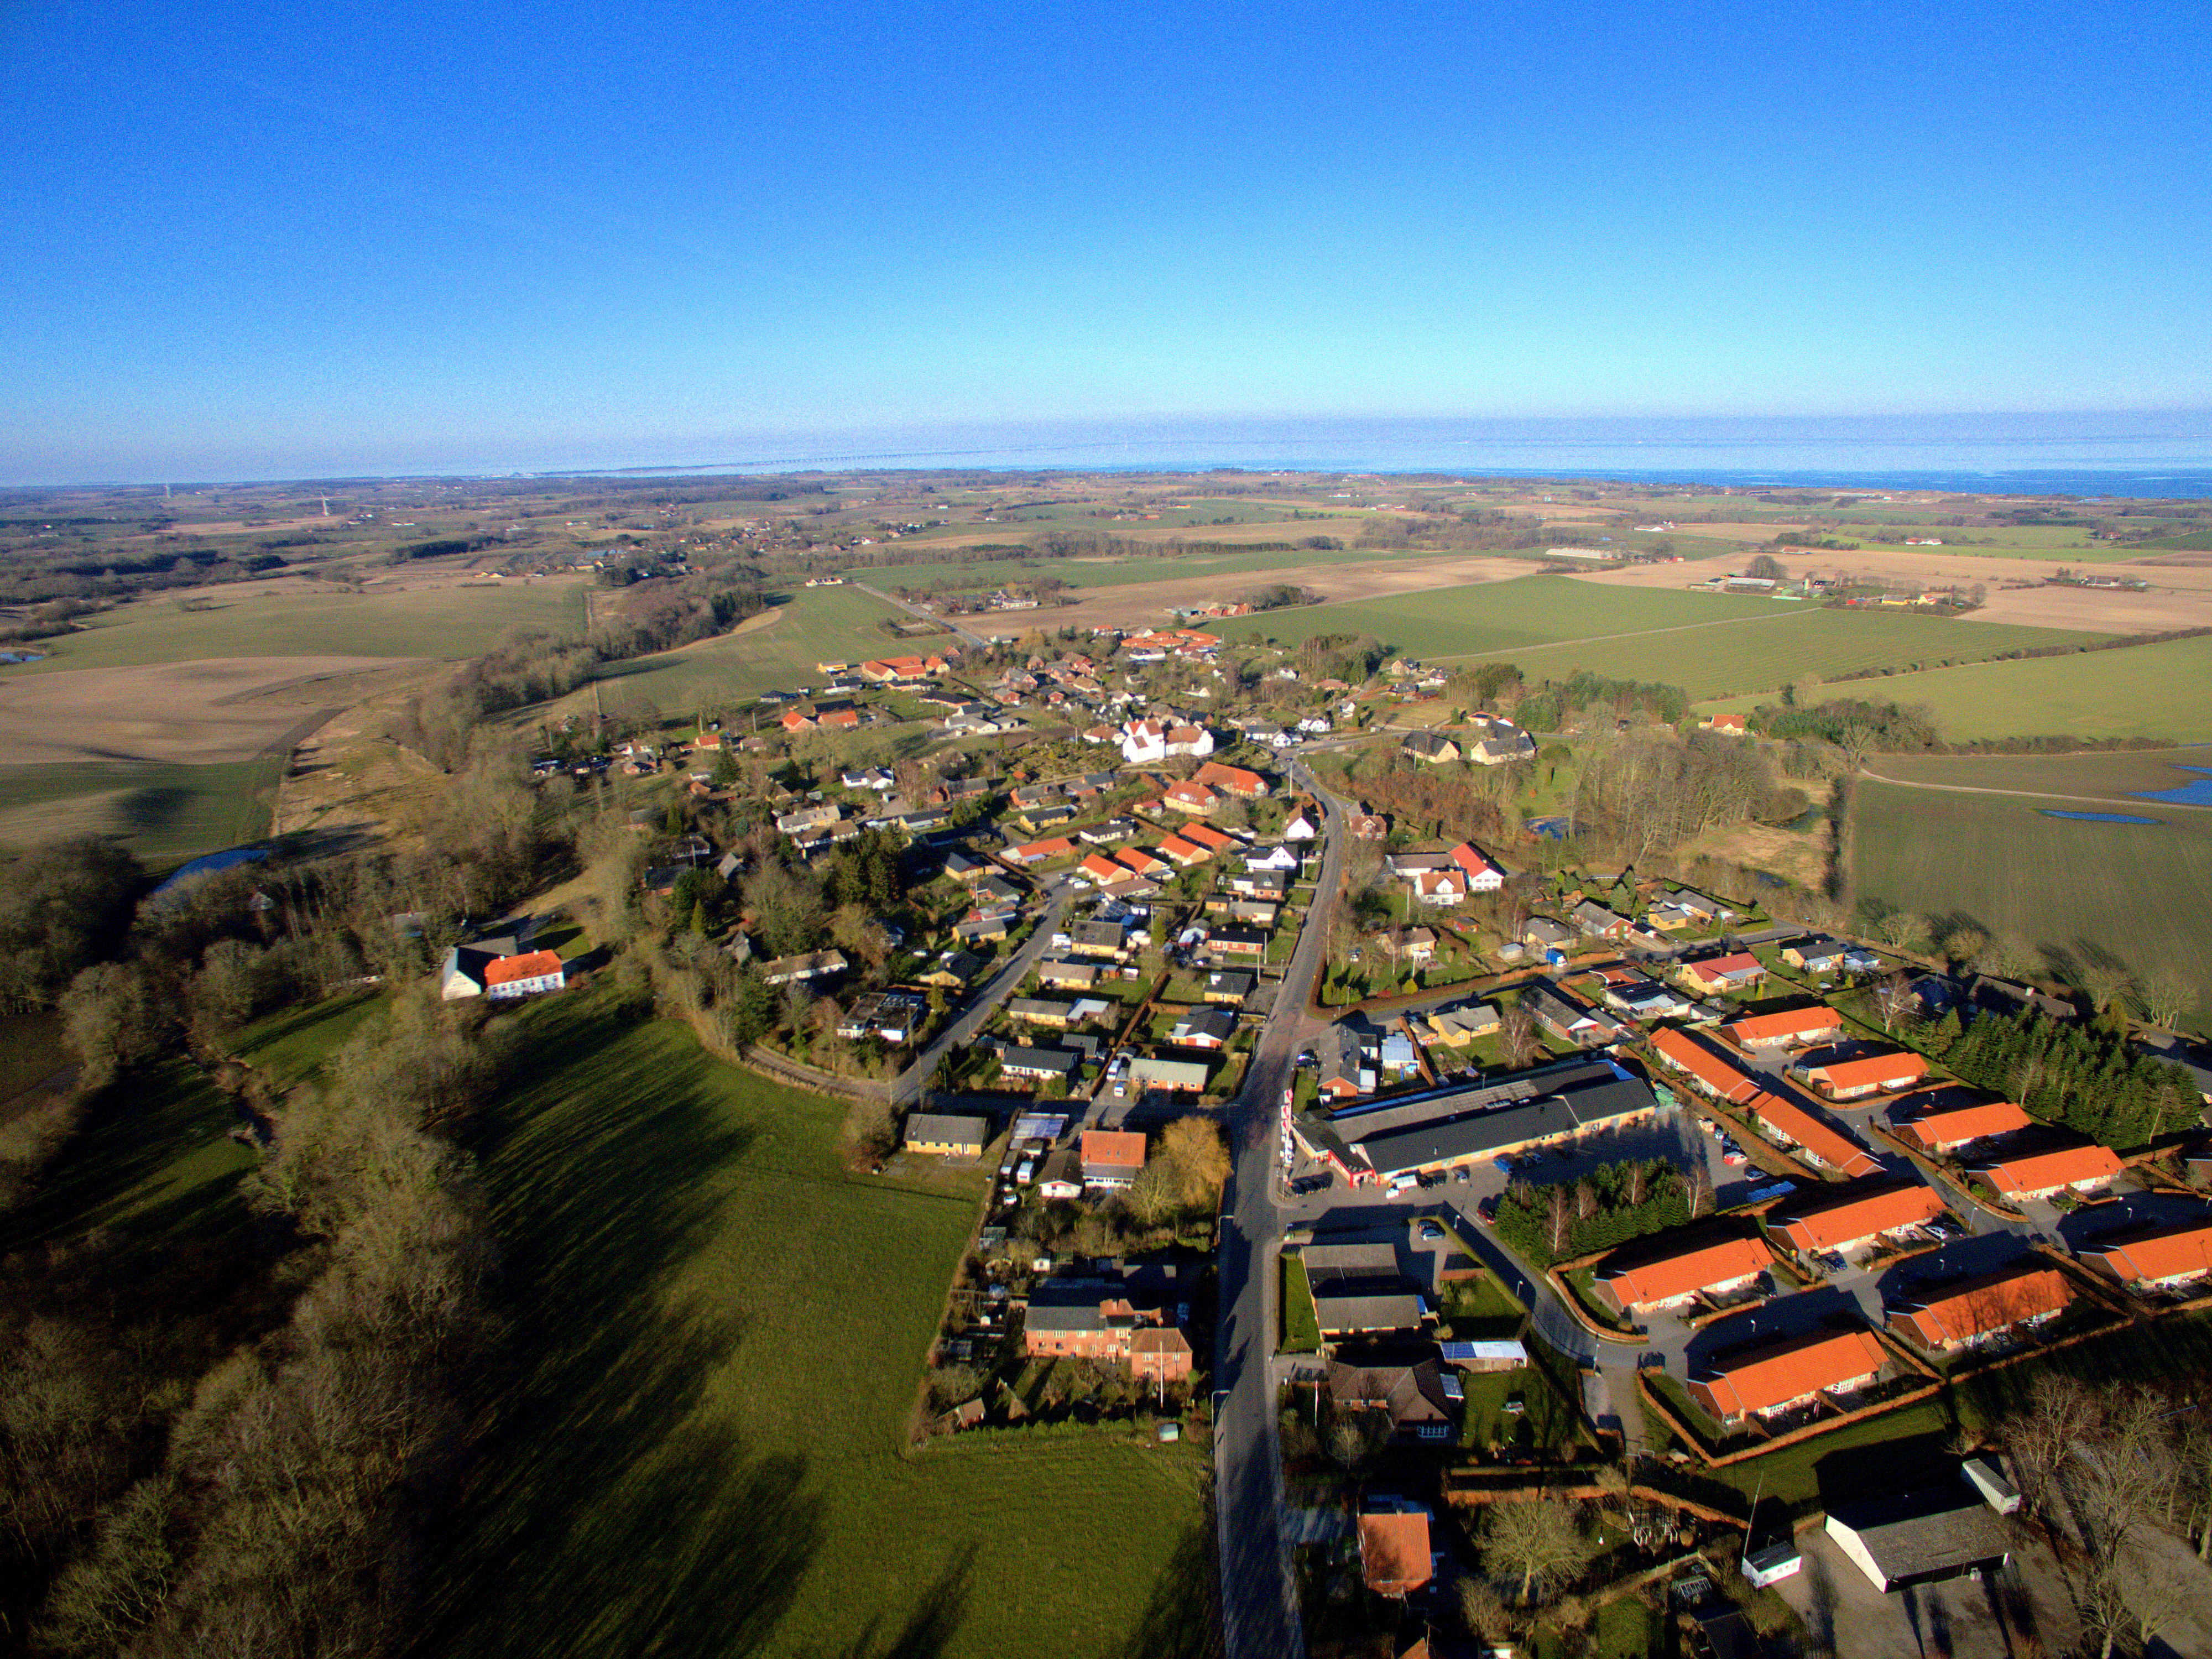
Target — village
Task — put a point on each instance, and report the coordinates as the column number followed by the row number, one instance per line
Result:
column 1572, row 1168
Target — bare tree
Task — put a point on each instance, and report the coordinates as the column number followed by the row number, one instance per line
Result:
column 2167, row 997
column 1517, row 1036
column 1893, row 995
column 1701, row 1188
column 1539, row 1541
column 1899, row 928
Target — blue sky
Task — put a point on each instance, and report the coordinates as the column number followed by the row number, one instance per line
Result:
column 259, row 240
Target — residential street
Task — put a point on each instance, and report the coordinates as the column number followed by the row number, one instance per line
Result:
column 907, row 1087
column 1258, row 1592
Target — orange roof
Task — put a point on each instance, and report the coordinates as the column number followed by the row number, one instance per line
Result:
column 1831, row 1146
column 1664, row 1279
column 1050, row 846
column 1790, row 1022
column 1231, row 777
column 2067, row 1167
column 1207, row 836
column 1974, row 1307
column 2160, row 1253
column 507, row 969
column 1102, row 868
column 1794, row 1370
column 1936, row 1130
column 1874, row 1071
column 1472, row 861
column 1687, row 1054
column 1138, row 859
column 1183, row 852
column 1191, row 790
column 1120, row 1147
column 1854, row 1215
column 1394, row 1553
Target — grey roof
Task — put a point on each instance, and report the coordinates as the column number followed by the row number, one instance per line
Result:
column 1219, row 1023
column 1110, row 933
column 1465, row 1123
column 1232, row 982
column 1391, row 1311
column 1170, row 1073
column 1015, row 1056
column 936, row 1127
column 1040, row 1008
column 1924, row 1534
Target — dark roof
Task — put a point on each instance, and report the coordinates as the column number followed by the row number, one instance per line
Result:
column 1014, row 1056
column 1219, row 1023
column 1464, row 1123
column 940, row 1126
column 1937, row 1533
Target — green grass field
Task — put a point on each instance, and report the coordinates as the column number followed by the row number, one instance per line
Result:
column 164, row 812
column 2138, row 892
column 1710, row 644
column 2120, row 775
column 449, row 621
column 31, row 1050
column 1769, row 653
column 291, row 1046
column 818, row 625
column 1117, row 573
column 2138, row 691
column 718, row 1335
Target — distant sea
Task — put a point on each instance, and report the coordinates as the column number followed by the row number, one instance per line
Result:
column 2156, row 455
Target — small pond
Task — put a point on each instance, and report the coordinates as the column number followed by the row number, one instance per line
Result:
column 2096, row 817
column 2197, row 791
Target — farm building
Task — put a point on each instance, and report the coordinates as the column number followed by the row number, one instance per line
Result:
column 1969, row 1313
column 1793, row 1028
column 946, row 1135
column 1920, row 1538
column 1859, row 1214
column 1868, row 1075
column 1782, row 1376
column 2085, row 1168
column 1962, row 1125
column 1657, row 1284
column 2153, row 1258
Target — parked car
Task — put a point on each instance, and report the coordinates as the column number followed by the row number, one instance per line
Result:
column 1486, row 1212
column 1733, row 1157
column 1947, row 1226
column 1430, row 1230
column 1461, row 1176
column 1831, row 1262
column 1503, row 1165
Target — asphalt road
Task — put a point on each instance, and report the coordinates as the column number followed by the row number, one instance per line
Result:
column 958, row 632
column 907, row 1087
column 1259, row 1591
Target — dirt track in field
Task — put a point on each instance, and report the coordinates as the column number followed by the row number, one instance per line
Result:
column 220, row 709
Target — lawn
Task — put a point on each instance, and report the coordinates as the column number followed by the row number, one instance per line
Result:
column 154, row 1163
column 2070, row 888
column 2138, row 691
column 1301, row 1320
column 718, row 1333
column 31, row 1050
column 291, row 1046
column 162, row 811
column 444, row 622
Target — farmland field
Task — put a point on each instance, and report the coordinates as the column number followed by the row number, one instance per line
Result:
column 2070, row 888
column 164, row 813
column 1119, row 572
column 448, row 621
column 818, row 625
column 1710, row 644
column 1766, row 655
column 2139, row 692
column 719, row 1334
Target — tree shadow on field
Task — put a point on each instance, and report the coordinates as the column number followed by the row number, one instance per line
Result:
column 937, row 1618
column 602, row 1517
column 1179, row 1619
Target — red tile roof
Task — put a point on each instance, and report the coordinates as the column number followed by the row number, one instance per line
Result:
column 1234, row 778
column 1394, row 1553
column 1791, row 1370
column 1831, row 1146
column 1880, row 1072
column 1851, row 1216
column 1114, row 1149
column 1183, row 852
column 1673, row 1276
column 1806, row 1023
column 1936, row 1131
column 1713, row 967
column 1975, row 1307
column 2164, row 1252
column 1688, row 1054
column 2068, row 1166
column 507, row 969
column 1207, row 836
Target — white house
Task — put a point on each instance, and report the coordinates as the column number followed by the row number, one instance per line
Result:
column 1147, row 742
column 1300, row 828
